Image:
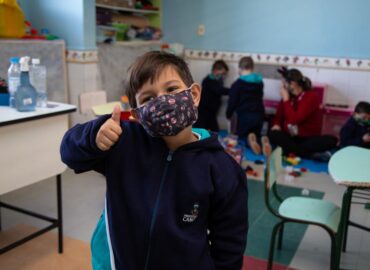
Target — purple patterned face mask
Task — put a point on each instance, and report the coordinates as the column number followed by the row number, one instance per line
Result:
column 168, row 114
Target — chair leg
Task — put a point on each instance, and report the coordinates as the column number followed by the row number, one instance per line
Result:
column 335, row 252
column 280, row 237
column 272, row 245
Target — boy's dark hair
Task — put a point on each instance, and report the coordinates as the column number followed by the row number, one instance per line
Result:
column 362, row 107
column 246, row 63
column 220, row 64
column 294, row 75
column 149, row 66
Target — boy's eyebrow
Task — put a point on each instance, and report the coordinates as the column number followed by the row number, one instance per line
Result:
column 143, row 92
column 170, row 82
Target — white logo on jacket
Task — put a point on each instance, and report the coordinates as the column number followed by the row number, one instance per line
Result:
column 194, row 214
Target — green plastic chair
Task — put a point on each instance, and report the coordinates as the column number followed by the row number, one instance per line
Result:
column 324, row 214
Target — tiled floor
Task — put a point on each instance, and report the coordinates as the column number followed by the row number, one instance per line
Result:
column 83, row 200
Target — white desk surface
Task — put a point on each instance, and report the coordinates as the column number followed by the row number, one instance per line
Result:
column 11, row 116
column 350, row 166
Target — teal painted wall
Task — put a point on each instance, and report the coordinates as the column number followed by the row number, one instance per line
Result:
column 313, row 27
column 71, row 20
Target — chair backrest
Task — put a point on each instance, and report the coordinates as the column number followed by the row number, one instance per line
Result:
column 91, row 99
column 273, row 169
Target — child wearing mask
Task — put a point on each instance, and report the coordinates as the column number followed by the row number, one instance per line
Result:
column 167, row 183
column 246, row 100
column 212, row 91
column 356, row 130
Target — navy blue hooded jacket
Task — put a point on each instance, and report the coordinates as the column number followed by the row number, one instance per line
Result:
column 160, row 204
column 246, row 96
column 352, row 133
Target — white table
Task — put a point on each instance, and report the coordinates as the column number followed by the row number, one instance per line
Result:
column 29, row 152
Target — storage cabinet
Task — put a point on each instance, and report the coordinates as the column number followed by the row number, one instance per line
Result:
column 128, row 20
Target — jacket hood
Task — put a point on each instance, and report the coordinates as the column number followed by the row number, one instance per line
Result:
column 210, row 143
column 252, row 78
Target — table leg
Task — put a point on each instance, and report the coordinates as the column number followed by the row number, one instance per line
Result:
column 347, row 198
column 60, row 213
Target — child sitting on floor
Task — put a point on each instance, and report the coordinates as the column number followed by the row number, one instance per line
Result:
column 246, row 100
column 356, row 130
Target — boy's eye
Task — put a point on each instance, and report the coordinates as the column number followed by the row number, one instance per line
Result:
column 146, row 99
column 172, row 88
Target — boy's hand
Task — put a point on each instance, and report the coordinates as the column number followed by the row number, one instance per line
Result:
column 366, row 138
column 110, row 131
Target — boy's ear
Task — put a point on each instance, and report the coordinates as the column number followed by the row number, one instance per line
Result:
column 196, row 91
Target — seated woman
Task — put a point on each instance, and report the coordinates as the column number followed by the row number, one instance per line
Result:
column 297, row 123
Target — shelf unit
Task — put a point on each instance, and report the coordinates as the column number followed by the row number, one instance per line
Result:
column 150, row 17
column 133, row 10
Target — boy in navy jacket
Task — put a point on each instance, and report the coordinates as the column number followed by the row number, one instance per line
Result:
column 356, row 131
column 246, row 99
column 212, row 91
column 167, row 184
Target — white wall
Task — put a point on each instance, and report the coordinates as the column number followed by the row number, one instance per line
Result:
column 345, row 87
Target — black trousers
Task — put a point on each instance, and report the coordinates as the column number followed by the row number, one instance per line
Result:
column 302, row 146
column 207, row 119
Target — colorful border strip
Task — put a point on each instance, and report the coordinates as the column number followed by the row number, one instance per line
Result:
column 279, row 59
column 82, row 56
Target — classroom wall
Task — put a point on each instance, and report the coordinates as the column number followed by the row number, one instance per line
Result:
column 71, row 20
column 336, row 28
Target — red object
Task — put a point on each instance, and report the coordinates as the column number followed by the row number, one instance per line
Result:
column 252, row 263
column 334, row 119
column 304, row 170
column 303, row 111
column 125, row 115
column 291, row 155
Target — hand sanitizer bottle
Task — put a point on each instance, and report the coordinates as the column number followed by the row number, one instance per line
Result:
column 26, row 95
column 13, row 79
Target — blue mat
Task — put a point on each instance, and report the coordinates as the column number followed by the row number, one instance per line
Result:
column 311, row 165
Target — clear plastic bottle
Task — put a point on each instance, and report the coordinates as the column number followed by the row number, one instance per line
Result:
column 14, row 74
column 38, row 80
column 26, row 95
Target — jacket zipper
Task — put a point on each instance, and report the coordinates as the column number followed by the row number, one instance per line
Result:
column 156, row 207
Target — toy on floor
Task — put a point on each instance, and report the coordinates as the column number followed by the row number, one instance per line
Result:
column 259, row 162
column 292, row 159
column 292, row 173
column 231, row 146
column 251, row 172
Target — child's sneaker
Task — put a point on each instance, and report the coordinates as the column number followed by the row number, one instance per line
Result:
column 266, row 146
column 253, row 144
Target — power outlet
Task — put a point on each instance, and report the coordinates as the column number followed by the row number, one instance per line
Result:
column 201, row 30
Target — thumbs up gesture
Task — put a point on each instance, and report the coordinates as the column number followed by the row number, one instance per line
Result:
column 110, row 131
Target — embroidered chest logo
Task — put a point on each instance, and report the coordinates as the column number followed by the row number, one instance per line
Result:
column 194, row 214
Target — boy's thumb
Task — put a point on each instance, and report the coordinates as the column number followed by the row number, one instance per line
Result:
column 116, row 115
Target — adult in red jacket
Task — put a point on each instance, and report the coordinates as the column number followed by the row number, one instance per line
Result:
column 297, row 123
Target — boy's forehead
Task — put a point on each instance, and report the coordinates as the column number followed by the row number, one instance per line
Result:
column 168, row 74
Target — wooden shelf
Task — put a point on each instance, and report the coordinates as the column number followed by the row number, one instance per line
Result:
column 134, row 10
